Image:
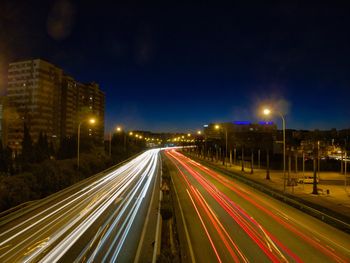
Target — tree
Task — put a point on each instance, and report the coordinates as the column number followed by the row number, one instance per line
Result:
column 27, row 155
column 42, row 148
column 67, row 149
column 8, row 160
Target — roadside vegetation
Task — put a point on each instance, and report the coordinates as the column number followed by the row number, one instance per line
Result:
column 40, row 169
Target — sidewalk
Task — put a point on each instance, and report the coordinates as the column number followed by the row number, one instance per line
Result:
column 337, row 200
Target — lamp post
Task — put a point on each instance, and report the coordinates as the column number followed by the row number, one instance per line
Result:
column 224, row 128
column 91, row 121
column 118, row 129
column 268, row 112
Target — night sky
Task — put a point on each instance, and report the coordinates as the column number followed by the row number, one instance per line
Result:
column 175, row 68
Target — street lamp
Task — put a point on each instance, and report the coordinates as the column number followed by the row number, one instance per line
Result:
column 267, row 112
column 91, row 121
column 117, row 129
column 120, row 129
column 217, row 127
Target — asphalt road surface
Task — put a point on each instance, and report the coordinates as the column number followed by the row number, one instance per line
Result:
column 97, row 220
column 228, row 221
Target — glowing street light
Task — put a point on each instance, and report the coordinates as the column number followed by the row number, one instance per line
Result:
column 91, row 121
column 217, row 127
column 199, row 132
column 267, row 112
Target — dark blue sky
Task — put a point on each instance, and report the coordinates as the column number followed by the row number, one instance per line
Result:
column 175, row 68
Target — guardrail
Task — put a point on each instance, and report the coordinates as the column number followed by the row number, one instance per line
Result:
column 288, row 199
column 19, row 207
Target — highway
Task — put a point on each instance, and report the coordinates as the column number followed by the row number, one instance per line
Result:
column 227, row 221
column 97, row 220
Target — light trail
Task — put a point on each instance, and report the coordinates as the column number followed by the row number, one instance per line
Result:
column 268, row 243
column 111, row 203
column 267, row 209
column 244, row 224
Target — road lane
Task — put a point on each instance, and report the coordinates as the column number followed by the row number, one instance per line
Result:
column 90, row 221
column 237, row 223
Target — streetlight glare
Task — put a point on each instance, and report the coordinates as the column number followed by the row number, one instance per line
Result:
column 92, row 121
column 199, row 132
column 130, row 133
column 217, row 126
column 266, row 111
column 189, row 134
column 119, row 129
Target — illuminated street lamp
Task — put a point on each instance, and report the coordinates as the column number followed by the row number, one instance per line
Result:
column 117, row 129
column 199, row 132
column 217, row 127
column 267, row 112
column 91, row 121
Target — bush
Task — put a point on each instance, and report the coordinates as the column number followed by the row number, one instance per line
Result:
column 14, row 190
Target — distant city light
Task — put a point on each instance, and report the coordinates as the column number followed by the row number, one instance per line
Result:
column 266, row 122
column 242, row 122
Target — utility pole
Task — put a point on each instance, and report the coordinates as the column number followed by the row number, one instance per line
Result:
column 345, row 169
column 267, row 165
column 314, row 188
column 242, row 159
column 234, row 156
column 252, row 163
column 303, row 164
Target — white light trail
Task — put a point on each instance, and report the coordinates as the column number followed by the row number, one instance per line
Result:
column 111, row 201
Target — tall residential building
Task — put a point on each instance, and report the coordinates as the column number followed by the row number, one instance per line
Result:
column 34, row 89
column 49, row 101
column 79, row 102
column 91, row 101
column 4, row 108
column 69, row 109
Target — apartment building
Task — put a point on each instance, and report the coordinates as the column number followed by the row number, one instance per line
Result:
column 34, row 90
column 48, row 100
column 3, row 120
